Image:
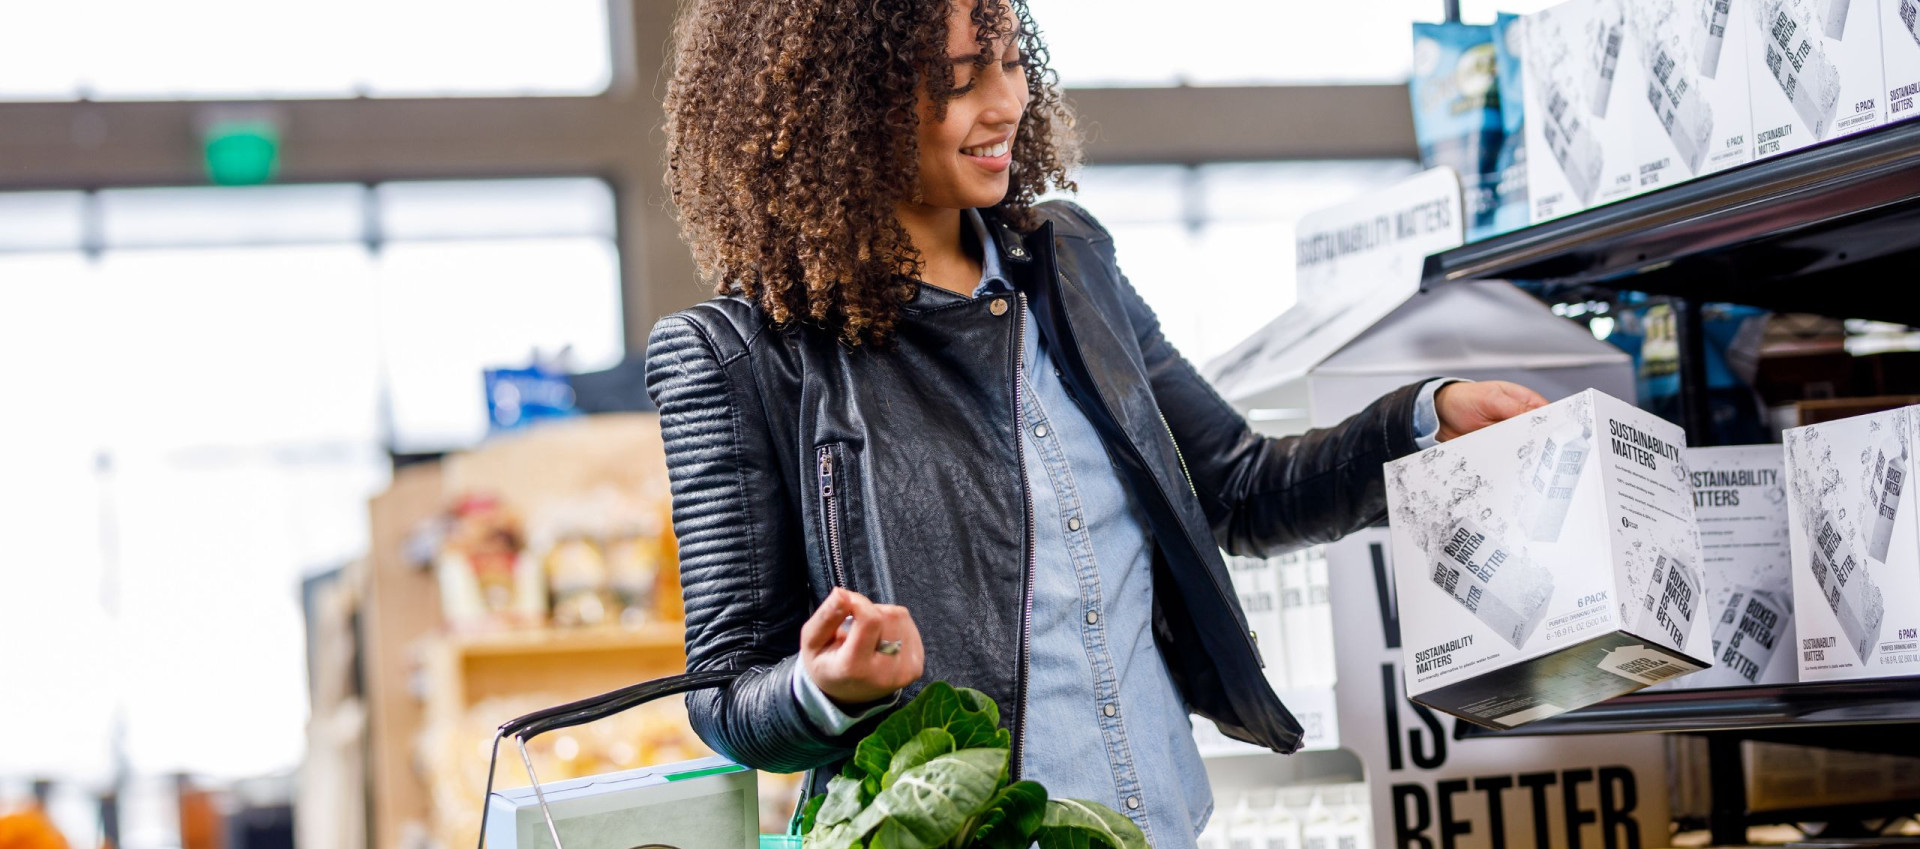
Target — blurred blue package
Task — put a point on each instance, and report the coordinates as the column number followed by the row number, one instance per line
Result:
column 1457, row 117
column 519, row 397
column 1509, row 32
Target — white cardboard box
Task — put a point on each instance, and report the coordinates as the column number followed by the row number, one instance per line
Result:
column 1816, row 69
column 1581, row 79
column 1900, row 55
column 1547, row 563
column 1740, row 502
column 1694, row 107
column 1856, row 571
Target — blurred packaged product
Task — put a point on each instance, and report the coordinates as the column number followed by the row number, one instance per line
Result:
column 518, row 398
column 1457, row 102
column 1817, row 72
column 1513, row 612
column 1256, row 582
column 578, row 582
column 1509, row 43
column 634, row 566
column 1740, row 502
column 1331, row 816
column 1856, row 571
column 1900, row 55
column 485, row 580
column 1318, row 614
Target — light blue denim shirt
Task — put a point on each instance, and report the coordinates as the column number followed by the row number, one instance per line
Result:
column 1104, row 719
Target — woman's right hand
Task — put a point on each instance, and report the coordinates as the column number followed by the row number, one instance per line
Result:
column 840, row 649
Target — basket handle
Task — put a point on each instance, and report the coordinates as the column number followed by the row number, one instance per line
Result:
column 524, row 728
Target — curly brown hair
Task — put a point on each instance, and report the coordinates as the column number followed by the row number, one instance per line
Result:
column 791, row 136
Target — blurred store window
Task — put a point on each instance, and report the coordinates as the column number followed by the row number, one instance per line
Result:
column 1195, row 239
column 230, row 49
column 203, row 387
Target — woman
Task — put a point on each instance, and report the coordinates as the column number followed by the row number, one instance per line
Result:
column 921, row 435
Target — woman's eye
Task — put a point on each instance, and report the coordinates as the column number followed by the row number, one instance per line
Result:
column 1019, row 61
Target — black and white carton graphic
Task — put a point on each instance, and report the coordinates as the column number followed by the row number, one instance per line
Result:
column 1580, row 146
column 1740, row 503
column 1900, row 56
column 1547, row 562
column 1493, row 580
column 1817, row 71
column 1562, row 457
column 1856, row 572
column 1695, row 109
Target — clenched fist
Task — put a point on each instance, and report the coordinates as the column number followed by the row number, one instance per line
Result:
column 1466, row 407
column 858, row 652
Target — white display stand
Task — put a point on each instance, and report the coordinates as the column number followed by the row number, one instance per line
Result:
column 1316, row 367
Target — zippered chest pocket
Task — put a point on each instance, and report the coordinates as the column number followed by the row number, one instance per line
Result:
column 839, row 528
column 832, row 493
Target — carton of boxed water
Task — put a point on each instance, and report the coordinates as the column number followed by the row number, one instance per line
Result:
column 1900, row 56
column 1740, row 501
column 1547, row 562
column 1578, row 73
column 1816, row 71
column 1856, row 571
column 1695, row 114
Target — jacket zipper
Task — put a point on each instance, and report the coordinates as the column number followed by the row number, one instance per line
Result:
column 1178, row 454
column 1026, row 497
column 830, row 511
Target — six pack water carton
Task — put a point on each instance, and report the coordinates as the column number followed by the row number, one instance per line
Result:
column 1547, row 562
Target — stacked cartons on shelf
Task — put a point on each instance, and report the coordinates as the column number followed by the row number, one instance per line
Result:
column 1577, row 70
column 1740, row 501
column 1816, row 69
column 1856, row 571
column 1900, row 56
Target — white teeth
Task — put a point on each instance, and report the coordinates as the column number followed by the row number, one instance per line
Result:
column 989, row 151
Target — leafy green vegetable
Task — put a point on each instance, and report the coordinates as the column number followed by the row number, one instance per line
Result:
column 1079, row 824
column 969, row 716
column 925, row 746
column 934, row 776
column 1012, row 817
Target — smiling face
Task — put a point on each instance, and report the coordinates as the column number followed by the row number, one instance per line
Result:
column 965, row 155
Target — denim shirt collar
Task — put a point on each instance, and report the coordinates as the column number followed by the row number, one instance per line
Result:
column 993, row 277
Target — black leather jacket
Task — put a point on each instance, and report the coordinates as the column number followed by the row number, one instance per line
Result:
column 799, row 464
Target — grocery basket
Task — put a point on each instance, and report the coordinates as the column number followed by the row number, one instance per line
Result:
column 710, row 803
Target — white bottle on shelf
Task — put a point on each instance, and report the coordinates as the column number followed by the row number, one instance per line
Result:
column 1297, row 624
column 1319, row 829
column 1280, row 828
column 1319, row 613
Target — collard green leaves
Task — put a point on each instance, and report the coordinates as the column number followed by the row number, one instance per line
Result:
column 1080, row 824
column 934, row 776
column 972, row 719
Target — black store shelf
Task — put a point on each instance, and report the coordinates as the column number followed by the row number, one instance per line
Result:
column 1845, row 714
column 1832, row 229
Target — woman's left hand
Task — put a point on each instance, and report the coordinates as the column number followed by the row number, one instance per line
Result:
column 1466, row 407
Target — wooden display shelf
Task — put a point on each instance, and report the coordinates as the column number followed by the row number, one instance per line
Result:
column 562, row 663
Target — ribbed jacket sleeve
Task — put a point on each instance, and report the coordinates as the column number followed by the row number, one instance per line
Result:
column 742, row 557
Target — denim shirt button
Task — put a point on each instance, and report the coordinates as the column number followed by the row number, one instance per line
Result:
column 1073, row 524
column 1093, row 617
column 1109, row 710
